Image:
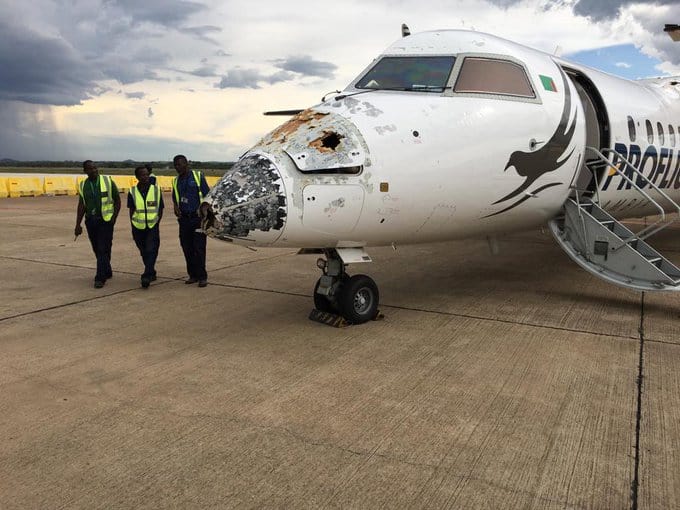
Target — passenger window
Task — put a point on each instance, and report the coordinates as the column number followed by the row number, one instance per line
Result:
column 631, row 128
column 650, row 132
column 659, row 128
column 487, row 76
column 671, row 134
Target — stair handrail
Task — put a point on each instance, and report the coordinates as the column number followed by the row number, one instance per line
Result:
column 651, row 184
column 650, row 229
column 642, row 234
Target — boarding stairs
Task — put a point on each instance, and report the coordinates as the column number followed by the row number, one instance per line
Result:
column 603, row 246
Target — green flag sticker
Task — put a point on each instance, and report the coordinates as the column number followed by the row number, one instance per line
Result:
column 548, row 83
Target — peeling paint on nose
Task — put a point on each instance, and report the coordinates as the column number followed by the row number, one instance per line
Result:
column 319, row 141
column 248, row 202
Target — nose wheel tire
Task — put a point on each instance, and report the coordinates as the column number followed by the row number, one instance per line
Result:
column 358, row 299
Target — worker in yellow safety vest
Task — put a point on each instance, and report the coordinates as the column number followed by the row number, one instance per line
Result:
column 145, row 202
column 188, row 190
column 99, row 203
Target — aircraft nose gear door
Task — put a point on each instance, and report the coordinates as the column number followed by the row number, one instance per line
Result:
column 332, row 208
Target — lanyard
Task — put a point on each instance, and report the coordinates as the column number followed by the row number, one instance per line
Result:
column 94, row 198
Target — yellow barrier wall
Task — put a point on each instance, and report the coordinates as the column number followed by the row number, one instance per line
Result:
column 68, row 185
column 124, row 182
column 58, row 185
column 212, row 180
column 165, row 182
column 25, row 186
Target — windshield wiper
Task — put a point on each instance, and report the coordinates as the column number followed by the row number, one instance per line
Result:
column 343, row 96
column 412, row 88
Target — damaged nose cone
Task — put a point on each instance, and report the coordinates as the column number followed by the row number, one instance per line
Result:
column 248, row 203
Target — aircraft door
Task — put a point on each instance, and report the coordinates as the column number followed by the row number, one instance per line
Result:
column 332, row 208
column 597, row 130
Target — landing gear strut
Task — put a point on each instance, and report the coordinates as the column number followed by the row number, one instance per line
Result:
column 355, row 298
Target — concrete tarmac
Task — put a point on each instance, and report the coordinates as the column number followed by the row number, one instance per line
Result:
column 508, row 381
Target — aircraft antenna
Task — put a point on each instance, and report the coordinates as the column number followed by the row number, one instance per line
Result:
column 323, row 99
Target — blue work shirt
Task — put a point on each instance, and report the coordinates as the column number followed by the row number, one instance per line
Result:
column 189, row 199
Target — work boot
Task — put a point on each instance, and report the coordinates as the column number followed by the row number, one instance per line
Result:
column 203, row 283
column 190, row 280
column 146, row 282
column 98, row 284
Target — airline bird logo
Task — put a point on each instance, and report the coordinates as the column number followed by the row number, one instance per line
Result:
column 550, row 157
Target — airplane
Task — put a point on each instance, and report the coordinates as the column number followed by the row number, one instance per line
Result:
column 452, row 134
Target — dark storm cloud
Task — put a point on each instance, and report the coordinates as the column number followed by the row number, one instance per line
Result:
column 133, row 67
column 28, row 132
column 172, row 13
column 251, row 79
column 41, row 70
column 307, row 66
column 88, row 43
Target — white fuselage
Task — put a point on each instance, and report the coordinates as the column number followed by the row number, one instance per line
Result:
column 373, row 166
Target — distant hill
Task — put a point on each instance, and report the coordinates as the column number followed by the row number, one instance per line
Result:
column 127, row 164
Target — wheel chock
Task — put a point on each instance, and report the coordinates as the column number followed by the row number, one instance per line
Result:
column 334, row 320
column 327, row 318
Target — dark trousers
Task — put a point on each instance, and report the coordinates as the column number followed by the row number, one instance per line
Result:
column 193, row 245
column 148, row 241
column 100, row 233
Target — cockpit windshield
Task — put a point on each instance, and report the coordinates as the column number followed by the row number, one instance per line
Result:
column 419, row 74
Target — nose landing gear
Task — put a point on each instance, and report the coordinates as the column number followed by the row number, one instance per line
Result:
column 355, row 298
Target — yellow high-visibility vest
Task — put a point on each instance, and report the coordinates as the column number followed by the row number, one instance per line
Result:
column 104, row 184
column 197, row 178
column 146, row 210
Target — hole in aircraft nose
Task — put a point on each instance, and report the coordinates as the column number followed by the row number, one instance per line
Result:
column 329, row 141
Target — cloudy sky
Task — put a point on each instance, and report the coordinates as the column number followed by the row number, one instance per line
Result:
column 144, row 80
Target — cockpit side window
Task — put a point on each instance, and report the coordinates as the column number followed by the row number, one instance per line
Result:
column 415, row 74
column 492, row 76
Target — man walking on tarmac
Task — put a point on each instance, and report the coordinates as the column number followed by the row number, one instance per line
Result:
column 188, row 190
column 145, row 202
column 99, row 202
